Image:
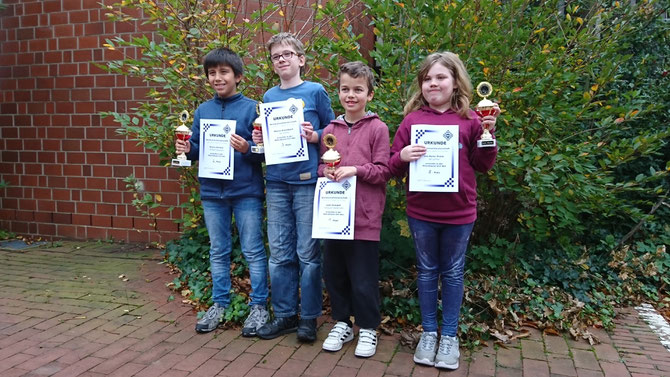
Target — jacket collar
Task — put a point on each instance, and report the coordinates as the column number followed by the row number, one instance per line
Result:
column 230, row 99
column 368, row 116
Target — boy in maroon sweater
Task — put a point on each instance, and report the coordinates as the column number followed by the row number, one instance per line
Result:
column 351, row 267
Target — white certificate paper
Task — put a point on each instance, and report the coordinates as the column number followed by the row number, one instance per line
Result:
column 437, row 170
column 282, row 132
column 217, row 156
column 334, row 209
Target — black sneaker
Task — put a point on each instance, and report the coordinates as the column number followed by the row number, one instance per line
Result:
column 278, row 326
column 307, row 330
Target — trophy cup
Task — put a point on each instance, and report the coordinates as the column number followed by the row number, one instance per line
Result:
column 258, row 124
column 485, row 107
column 183, row 133
column 331, row 157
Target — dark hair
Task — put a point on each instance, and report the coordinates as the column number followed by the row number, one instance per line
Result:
column 223, row 56
column 358, row 69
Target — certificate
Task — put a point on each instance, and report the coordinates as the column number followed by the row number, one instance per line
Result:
column 217, row 156
column 437, row 170
column 334, row 209
column 282, row 132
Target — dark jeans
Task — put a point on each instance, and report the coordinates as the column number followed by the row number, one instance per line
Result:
column 351, row 271
column 440, row 254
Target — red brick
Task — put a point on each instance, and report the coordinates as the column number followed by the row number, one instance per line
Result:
column 211, row 368
column 101, row 221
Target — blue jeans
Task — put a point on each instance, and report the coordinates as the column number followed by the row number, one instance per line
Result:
column 440, row 253
column 295, row 257
column 248, row 218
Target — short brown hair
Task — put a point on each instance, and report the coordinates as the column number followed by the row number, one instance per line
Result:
column 358, row 69
column 287, row 39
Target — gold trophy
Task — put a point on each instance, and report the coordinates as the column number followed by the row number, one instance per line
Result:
column 484, row 108
column 331, row 157
column 183, row 133
column 258, row 125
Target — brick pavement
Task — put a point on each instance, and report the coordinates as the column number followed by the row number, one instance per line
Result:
column 64, row 311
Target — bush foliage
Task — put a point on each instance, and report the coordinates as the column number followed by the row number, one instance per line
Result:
column 573, row 218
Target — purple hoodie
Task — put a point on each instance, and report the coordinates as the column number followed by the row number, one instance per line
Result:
column 445, row 207
column 366, row 147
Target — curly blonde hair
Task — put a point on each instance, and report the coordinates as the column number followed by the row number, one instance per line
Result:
column 460, row 99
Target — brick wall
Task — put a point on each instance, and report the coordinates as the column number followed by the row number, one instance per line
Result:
column 64, row 164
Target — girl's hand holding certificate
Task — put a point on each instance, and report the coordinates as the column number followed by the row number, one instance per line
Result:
column 412, row 152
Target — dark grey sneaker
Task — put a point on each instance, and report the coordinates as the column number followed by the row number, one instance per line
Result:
column 258, row 316
column 211, row 320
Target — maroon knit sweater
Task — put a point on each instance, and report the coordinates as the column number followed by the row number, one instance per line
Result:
column 445, row 207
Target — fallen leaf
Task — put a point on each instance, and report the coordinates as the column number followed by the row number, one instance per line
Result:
column 551, row 331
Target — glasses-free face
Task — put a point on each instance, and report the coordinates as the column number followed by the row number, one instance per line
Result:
column 354, row 95
column 223, row 80
column 438, row 86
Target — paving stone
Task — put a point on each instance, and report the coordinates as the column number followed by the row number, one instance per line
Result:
column 585, row 359
column 556, row 345
column 509, row 358
column 482, row 364
column 291, row 368
column 562, row 366
column 532, row 349
column 65, row 312
column 276, row 357
column 323, row 364
column 242, row 365
column 535, row 368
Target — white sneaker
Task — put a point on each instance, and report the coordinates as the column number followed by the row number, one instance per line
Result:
column 426, row 349
column 367, row 343
column 448, row 354
column 340, row 334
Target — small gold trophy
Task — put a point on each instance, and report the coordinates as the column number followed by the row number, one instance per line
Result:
column 183, row 133
column 485, row 107
column 258, row 125
column 331, row 157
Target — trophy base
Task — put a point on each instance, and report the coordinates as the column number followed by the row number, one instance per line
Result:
column 486, row 143
column 178, row 162
column 257, row 149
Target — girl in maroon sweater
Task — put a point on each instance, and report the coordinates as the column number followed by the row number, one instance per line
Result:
column 441, row 222
column 351, row 267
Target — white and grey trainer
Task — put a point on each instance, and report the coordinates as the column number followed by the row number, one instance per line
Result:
column 448, row 353
column 426, row 349
column 211, row 320
column 258, row 316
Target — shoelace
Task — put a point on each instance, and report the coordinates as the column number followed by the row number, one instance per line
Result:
column 212, row 312
column 445, row 346
column 254, row 316
column 427, row 342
